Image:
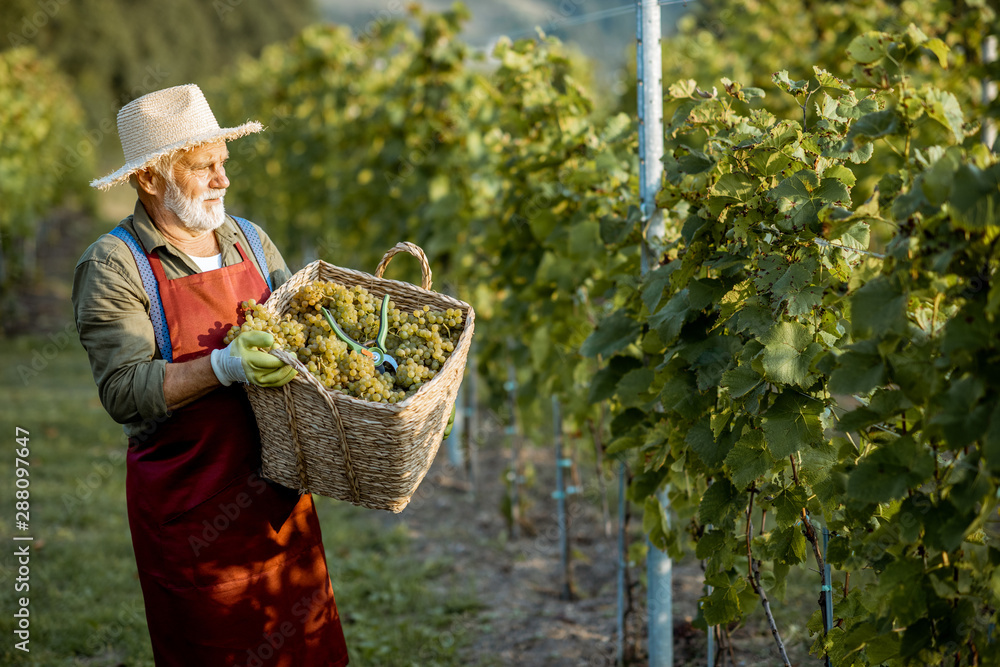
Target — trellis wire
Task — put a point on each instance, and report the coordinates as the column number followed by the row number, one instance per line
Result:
column 593, row 16
column 833, row 410
column 823, row 243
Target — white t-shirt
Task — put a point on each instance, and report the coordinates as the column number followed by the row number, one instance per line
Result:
column 208, row 263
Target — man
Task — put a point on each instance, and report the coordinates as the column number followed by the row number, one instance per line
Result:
column 232, row 567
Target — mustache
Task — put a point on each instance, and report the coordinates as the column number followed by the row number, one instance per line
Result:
column 213, row 194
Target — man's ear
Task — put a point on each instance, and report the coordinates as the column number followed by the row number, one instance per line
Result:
column 149, row 181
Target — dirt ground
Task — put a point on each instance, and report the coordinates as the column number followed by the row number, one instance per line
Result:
column 518, row 580
column 523, row 621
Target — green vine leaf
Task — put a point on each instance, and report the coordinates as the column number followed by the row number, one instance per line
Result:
column 634, row 387
column 788, row 354
column 889, row 471
column 741, row 380
column 939, row 49
column 602, row 386
column 722, row 605
column 975, row 197
column 702, row 441
column 961, row 415
column 614, row 229
column 721, row 504
column 749, row 459
column 654, row 284
column 671, row 317
column 733, row 188
column 859, row 370
column 873, row 126
column 792, row 423
column 944, row 108
column 782, row 545
column 796, row 88
column 828, row 81
column 784, row 364
column 613, row 333
column 869, row 47
column 878, row 308
column 789, row 505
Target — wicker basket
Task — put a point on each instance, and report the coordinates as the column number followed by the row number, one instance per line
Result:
column 326, row 442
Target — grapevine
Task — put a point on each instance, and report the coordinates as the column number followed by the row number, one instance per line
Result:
column 420, row 340
column 831, row 243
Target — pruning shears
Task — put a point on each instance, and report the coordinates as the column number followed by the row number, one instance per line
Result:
column 376, row 348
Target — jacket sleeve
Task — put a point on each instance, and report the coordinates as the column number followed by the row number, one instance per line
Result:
column 112, row 317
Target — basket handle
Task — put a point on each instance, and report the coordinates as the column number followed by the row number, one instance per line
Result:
column 304, row 374
column 413, row 249
column 290, row 359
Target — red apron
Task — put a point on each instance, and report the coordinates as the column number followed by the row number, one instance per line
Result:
column 232, row 567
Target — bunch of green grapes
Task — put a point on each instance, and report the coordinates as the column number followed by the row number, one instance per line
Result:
column 288, row 333
column 424, row 341
column 420, row 341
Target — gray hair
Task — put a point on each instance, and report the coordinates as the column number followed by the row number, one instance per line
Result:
column 163, row 166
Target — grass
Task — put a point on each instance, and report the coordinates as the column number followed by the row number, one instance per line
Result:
column 85, row 602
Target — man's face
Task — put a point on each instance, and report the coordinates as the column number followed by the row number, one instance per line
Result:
column 197, row 187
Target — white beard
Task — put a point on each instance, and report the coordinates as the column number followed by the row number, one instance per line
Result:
column 192, row 212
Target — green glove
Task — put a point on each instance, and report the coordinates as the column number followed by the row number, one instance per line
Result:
column 245, row 360
column 451, row 422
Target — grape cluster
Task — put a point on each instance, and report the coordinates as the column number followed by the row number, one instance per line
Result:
column 420, row 340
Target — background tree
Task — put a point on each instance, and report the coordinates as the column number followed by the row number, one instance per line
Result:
column 115, row 50
column 44, row 156
column 502, row 171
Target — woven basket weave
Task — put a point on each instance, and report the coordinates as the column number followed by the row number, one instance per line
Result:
column 372, row 454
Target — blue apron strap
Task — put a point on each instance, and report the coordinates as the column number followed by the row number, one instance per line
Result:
column 156, row 313
column 256, row 246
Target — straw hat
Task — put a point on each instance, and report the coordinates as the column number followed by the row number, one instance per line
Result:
column 163, row 122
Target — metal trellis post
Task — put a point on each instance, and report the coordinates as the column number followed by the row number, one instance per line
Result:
column 513, row 473
column 649, row 85
column 659, row 602
column 827, row 590
column 712, row 649
column 471, row 425
column 621, row 564
column 649, row 74
column 566, row 587
column 711, row 637
column 989, row 91
column 455, row 438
